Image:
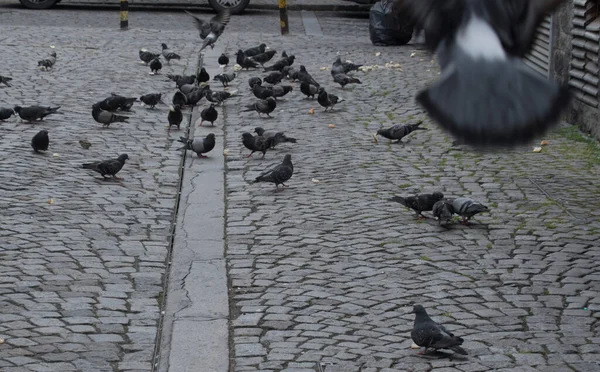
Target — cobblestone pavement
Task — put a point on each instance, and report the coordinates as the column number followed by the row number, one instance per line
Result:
column 328, row 272
column 82, row 260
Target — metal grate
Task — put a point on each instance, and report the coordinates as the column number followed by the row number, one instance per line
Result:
column 539, row 57
column 583, row 70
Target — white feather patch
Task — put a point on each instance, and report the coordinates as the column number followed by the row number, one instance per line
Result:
column 479, row 40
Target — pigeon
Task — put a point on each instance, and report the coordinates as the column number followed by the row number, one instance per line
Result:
column 151, row 99
column 175, row 116
column 467, row 208
column 40, row 141
column 217, row 97
column 179, row 99
column 203, row 76
column 280, row 90
column 6, row 113
column 291, row 72
column 261, row 92
column 33, row 113
column 209, row 114
column 211, row 30
column 340, row 67
column 254, row 81
column 305, row 77
column 274, row 77
column 244, row 61
column 343, row 80
column 166, row 52
column 263, row 58
column 278, row 137
column 225, row 79
column 442, row 211
column 48, row 62
column 189, row 79
column 430, row 335
column 256, row 50
column 155, row 66
column 108, row 167
column 195, row 96
column 106, row 117
column 85, row 144
column 309, row 90
column 280, row 64
column 188, row 88
column 5, row 80
column 486, row 95
column 265, row 106
column 223, row 60
column 399, row 131
column 327, row 100
column 147, row 56
column 115, row 102
column 257, row 143
column 199, row 145
column 419, row 203
column 278, row 174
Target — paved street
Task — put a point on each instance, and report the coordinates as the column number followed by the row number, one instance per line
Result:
column 321, row 276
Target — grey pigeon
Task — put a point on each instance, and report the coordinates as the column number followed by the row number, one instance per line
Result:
column 6, row 113
column 266, row 106
column 217, row 97
column 399, row 131
column 155, row 66
column 255, row 50
column 48, row 62
column 430, row 335
column 106, row 118
column 467, row 208
column 151, row 99
column 280, row 90
column 108, row 167
column 209, row 114
column 199, row 145
column 188, row 88
column 278, row 174
column 223, row 60
column 175, row 116
column 419, row 203
column 340, row 67
column 195, row 96
column 442, row 210
column 263, row 58
column 343, row 80
column 309, row 90
column 486, row 95
column 211, row 30
column 181, row 80
column 258, row 143
column 5, row 80
column 225, row 78
column 40, row 141
column 147, row 56
column 327, row 100
column 166, row 52
column 278, row 137
column 33, row 113
column 290, row 72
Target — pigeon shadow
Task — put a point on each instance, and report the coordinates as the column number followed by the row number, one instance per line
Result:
column 436, row 355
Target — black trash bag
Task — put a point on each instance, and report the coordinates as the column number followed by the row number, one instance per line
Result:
column 387, row 28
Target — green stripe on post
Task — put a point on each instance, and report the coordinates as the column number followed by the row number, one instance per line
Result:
column 124, row 14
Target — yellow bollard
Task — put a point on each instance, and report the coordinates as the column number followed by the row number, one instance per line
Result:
column 124, row 14
column 283, row 17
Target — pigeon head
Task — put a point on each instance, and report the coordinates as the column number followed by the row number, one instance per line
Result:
column 302, row 68
column 291, row 59
column 239, row 52
column 211, row 136
column 381, row 131
column 271, row 101
column 419, row 310
column 438, row 195
column 122, row 158
column 321, row 90
column 223, row 55
column 338, row 60
column 287, row 159
column 259, row 131
column 164, row 46
column 262, row 47
column 53, row 54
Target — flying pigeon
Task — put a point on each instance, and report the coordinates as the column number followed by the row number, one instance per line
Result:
column 255, row 50
column 257, row 143
column 399, row 131
column 211, row 30
column 327, row 100
column 467, row 208
column 175, row 116
column 265, row 106
column 278, row 137
column 419, row 203
column 5, row 80
column 309, row 90
column 223, row 60
column 108, row 167
column 199, row 145
column 6, row 113
column 33, row 113
column 278, row 174
column 48, row 62
column 40, row 141
column 225, row 79
column 486, row 95
column 166, row 52
column 442, row 210
column 209, row 114
column 151, row 99
column 106, row 117
column 430, row 335
column 155, row 66
column 147, row 56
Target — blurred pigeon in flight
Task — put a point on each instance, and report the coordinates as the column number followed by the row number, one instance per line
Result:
column 486, row 95
column 211, row 30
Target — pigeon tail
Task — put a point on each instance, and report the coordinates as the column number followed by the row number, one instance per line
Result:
column 494, row 102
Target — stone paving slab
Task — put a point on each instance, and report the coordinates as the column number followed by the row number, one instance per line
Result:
column 83, row 260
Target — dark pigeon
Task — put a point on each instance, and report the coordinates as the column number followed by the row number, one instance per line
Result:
column 266, row 106
column 209, row 114
column 40, row 141
column 419, row 203
column 257, row 143
column 274, row 77
column 211, row 30
column 278, row 137
column 430, row 335
column 442, row 211
column 281, row 63
column 263, row 58
column 179, row 99
column 343, row 80
column 108, row 167
column 195, row 96
column 278, row 174
column 106, row 118
column 6, row 113
column 199, row 145
column 309, row 90
column 223, row 60
column 261, row 92
column 487, row 95
column 280, row 90
column 256, row 50
column 327, row 100
column 48, row 62
column 467, row 208
column 399, row 131
column 155, row 66
column 304, row 76
column 5, row 80
column 33, row 113
column 245, row 62
column 116, row 102
column 217, row 97
column 147, row 56
column 340, row 67
column 182, row 80
column 254, row 81
column 202, row 76
column 151, row 99
column 175, row 116
column 166, row 52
